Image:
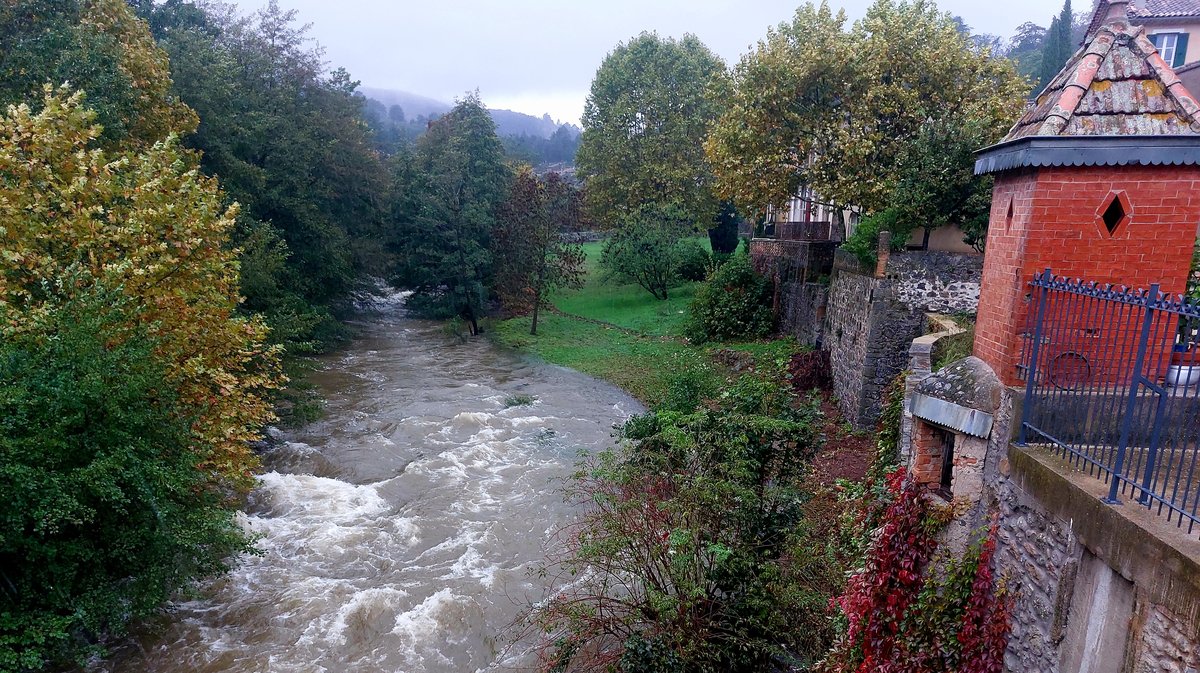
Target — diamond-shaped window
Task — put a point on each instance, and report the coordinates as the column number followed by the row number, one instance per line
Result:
column 1116, row 213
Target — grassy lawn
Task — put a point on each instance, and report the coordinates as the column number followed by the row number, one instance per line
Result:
column 644, row 357
column 641, row 364
column 627, row 305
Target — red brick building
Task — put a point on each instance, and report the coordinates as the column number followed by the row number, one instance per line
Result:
column 1100, row 180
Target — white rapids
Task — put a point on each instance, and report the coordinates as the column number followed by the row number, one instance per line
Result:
column 399, row 533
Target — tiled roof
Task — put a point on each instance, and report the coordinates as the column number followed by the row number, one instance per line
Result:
column 1154, row 9
column 1146, row 10
column 1115, row 85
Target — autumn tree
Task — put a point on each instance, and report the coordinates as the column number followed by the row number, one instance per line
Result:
column 99, row 46
column 459, row 180
column 531, row 257
column 284, row 135
column 651, row 104
column 787, row 100
column 840, row 109
column 147, row 223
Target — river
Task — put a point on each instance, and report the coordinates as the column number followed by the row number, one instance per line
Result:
column 399, row 532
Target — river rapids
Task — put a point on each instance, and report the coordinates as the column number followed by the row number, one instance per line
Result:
column 398, row 533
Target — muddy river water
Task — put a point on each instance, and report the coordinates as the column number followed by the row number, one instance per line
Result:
column 398, row 533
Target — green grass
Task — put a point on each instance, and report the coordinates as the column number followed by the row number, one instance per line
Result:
column 642, row 365
column 645, row 354
column 626, row 304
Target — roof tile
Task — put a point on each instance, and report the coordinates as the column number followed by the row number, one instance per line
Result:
column 1115, row 85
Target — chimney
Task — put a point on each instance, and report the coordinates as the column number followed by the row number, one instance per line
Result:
column 1118, row 10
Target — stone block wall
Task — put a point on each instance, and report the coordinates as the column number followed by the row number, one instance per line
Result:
column 802, row 308
column 938, row 282
column 1108, row 589
column 870, row 321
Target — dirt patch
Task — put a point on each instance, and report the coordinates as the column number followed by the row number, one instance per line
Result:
column 846, row 453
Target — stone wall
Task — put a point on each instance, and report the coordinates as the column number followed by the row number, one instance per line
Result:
column 939, row 282
column 1108, row 589
column 867, row 333
column 797, row 269
column 802, row 308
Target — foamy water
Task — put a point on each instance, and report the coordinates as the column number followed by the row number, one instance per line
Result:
column 398, row 533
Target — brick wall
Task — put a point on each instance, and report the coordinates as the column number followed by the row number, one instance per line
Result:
column 1051, row 218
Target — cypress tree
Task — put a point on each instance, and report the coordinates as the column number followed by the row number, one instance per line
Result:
column 1058, row 47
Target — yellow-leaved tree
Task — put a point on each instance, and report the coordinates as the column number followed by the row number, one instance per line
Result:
column 148, row 223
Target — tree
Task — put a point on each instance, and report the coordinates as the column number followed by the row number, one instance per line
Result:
column 287, row 140
column 101, row 47
column 693, row 551
column 148, row 223
column 1059, row 44
column 531, row 257
column 784, row 110
column 645, row 248
column 650, row 107
column 839, row 111
column 734, row 304
column 106, row 510
column 460, row 179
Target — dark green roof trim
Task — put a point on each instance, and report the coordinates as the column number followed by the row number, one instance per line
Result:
column 1043, row 151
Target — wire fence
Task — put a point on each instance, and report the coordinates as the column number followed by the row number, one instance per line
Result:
column 1112, row 381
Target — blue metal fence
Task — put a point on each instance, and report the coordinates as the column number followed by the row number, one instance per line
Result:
column 1112, row 380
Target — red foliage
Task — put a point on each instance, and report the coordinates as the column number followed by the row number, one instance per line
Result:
column 810, row 371
column 986, row 624
column 878, row 597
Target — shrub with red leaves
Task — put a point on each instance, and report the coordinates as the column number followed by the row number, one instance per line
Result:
column 905, row 614
column 810, row 371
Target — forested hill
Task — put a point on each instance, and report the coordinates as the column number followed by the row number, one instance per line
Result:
column 397, row 118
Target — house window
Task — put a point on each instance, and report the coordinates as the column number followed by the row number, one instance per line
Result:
column 1172, row 47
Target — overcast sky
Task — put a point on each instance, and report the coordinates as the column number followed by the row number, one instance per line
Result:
column 538, row 56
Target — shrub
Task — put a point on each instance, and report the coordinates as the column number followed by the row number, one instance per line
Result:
column 695, row 553
column 644, row 249
column 692, row 260
column 688, row 388
column 810, row 370
column 734, row 304
column 105, row 511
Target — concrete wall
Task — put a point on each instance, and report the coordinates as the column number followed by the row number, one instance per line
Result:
column 1097, row 588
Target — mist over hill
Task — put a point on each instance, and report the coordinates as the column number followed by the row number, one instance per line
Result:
column 508, row 122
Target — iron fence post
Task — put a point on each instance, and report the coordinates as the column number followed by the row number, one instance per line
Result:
column 1031, row 373
column 1131, row 406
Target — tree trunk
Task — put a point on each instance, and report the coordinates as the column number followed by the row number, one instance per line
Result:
column 533, row 325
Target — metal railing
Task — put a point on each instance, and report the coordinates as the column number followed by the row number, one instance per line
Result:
column 1112, row 381
column 800, row 231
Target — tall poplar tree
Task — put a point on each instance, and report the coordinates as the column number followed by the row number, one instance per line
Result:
column 1059, row 45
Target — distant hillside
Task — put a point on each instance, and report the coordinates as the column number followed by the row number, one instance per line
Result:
column 413, row 105
column 508, row 123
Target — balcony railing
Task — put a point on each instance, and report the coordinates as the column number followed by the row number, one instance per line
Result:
column 799, row 231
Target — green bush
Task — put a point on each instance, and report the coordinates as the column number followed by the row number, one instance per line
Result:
column 692, row 260
column 105, row 513
column 864, row 243
column 698, row 525
column 688, row 388
column 734, row 304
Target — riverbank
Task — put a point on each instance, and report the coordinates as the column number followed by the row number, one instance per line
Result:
column 620, row 333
